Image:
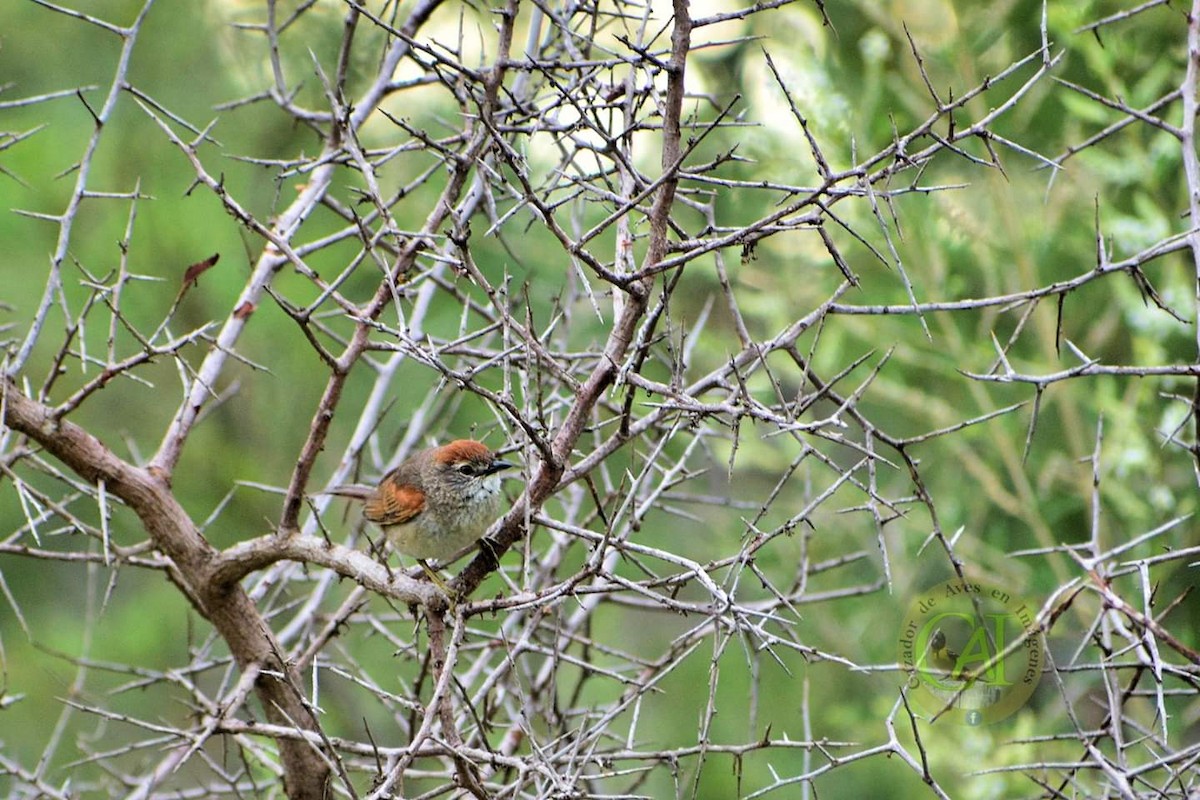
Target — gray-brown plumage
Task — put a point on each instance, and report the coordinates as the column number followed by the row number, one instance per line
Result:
column 438, row 501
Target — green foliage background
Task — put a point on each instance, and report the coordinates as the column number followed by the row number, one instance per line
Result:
column 858, row 82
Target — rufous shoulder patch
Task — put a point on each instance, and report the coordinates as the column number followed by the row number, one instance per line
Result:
column 393, row 504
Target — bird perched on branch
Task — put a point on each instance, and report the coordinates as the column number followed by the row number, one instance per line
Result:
column 437, row 501
column 942, row 657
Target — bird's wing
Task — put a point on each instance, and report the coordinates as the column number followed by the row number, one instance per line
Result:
column 393, row 504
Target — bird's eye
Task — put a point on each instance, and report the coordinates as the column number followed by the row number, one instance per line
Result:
column 467, row 469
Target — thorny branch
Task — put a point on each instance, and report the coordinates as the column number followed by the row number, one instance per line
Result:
column 524, row 223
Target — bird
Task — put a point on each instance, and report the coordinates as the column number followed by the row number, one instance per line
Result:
column 437, row 502
column 942, row 657
column 953, row 684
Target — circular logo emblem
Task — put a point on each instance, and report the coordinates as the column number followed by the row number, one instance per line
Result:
column 971, row 651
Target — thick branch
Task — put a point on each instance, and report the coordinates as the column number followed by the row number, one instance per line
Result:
column 1191, row 170
column 256, row 554
column 225, row 605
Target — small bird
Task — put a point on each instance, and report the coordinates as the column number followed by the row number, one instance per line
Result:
column 436, row 502
column 945, row 660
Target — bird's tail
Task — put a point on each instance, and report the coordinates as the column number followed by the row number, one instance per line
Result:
column 353, row 491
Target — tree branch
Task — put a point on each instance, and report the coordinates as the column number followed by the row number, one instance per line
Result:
column 225, row 605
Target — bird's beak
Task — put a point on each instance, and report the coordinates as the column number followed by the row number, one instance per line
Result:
column 497, row 465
